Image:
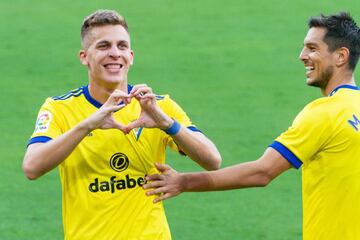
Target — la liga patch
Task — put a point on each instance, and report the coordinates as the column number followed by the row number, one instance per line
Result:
column 43, row 121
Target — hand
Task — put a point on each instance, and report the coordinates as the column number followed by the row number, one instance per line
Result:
column 151, row 115
column 167, row 184
column 103, row 118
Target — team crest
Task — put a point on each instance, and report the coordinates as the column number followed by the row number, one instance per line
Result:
column 137, row 132
column 43, row 121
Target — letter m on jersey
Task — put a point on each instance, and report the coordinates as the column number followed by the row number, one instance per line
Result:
column 355, row 122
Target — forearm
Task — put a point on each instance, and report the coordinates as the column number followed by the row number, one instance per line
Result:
column 46, row 156
column 249, row 174
column 198, row 148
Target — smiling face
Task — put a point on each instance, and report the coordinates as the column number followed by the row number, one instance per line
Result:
column 318, row 60
column 107, row 55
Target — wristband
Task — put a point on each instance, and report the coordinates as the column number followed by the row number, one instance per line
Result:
column 174, row 129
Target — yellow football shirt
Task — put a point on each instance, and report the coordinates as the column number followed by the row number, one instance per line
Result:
column 102, row 178
column 325, row 140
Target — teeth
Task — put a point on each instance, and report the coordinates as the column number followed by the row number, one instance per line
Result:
column 113, row 66
column 309, row 68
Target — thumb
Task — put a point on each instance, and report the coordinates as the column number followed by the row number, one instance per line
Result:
column 115, row 108
column 162, row 167
column 135, row 124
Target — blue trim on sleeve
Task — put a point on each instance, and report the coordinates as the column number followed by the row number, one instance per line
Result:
column 286, row 153
column 42, row 139
column 95, row 102
column 194, row 129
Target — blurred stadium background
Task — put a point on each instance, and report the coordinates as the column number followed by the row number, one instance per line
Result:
column 232, row 65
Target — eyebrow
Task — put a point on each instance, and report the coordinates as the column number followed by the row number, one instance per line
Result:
column 102, row 42
column 124, row 42
column 311, row 44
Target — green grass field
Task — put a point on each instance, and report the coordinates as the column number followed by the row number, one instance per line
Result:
column 232, row 65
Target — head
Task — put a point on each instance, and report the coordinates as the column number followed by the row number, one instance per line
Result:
column 105, row 48
column 331, row 47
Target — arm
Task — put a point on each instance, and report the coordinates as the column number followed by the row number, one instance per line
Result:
column 42, row 157
column 198, row 147
column 195, row 144
column 249, row 174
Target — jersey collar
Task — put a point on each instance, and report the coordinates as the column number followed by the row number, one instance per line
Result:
column 95, row 102
column 343, row 86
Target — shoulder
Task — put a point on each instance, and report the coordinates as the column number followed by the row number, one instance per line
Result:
column 55, row 102
column 73, row 93
column 317, row 111
column 325, row 106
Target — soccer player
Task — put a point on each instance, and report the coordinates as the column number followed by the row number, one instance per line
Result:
column 324, row 140
column 105, row 138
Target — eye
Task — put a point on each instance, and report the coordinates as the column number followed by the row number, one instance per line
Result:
column 123, row 45
column 102, row 46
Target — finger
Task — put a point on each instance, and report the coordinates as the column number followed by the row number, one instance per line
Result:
column 116, row 97
column 156, row 191
column 141, row 90
column 155, row 184
column 154, row 177
column 134, row 124
column 146, row 96
column 119, row 126
column 162, row 167
column 136, row 87
column 162, row 197
column 115, row 108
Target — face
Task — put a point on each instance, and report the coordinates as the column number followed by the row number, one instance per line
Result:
column 108, row 55
column 319, row 62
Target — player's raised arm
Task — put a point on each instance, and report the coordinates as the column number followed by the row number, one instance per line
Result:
column 249, row 174
column 42, row 157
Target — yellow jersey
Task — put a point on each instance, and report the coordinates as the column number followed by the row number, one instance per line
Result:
column 102, row 195
column 324, row 140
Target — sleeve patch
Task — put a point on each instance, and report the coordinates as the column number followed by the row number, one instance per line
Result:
column 43, row 122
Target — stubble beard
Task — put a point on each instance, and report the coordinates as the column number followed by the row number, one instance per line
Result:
column 324, row 78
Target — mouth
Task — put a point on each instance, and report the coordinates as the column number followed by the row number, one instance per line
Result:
column 113, row 66
column 309, row 69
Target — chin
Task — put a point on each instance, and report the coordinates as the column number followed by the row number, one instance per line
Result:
column 114, row 80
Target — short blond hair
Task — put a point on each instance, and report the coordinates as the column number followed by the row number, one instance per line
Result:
column 102, row 18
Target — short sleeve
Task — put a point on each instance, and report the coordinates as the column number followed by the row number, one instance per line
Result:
column 306, row 137
column 48, row 124
column 173, row 110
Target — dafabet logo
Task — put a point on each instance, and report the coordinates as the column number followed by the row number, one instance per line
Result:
column 119, row 162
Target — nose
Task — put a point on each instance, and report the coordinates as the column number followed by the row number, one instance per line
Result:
column 114, row 52
column 303, row 55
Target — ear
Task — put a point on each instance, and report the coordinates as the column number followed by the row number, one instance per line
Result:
column 83, row 57
column 342, row 55
column 132, row 57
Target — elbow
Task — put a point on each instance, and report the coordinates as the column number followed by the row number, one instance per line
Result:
column 264, row 180
column 214, row 163
column 29, row 171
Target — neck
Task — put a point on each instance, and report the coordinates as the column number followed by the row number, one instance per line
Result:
column 102, row 92
column 337, row 80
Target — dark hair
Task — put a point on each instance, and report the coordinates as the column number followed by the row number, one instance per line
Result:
column 102, row 18
column 342, row 31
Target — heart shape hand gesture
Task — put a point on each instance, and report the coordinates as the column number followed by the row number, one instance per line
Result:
column 151, row 115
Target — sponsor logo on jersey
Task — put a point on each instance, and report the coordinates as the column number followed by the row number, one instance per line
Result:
column 354, row 122
column 43, row 121
column 119, row 162
column 116, row 184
